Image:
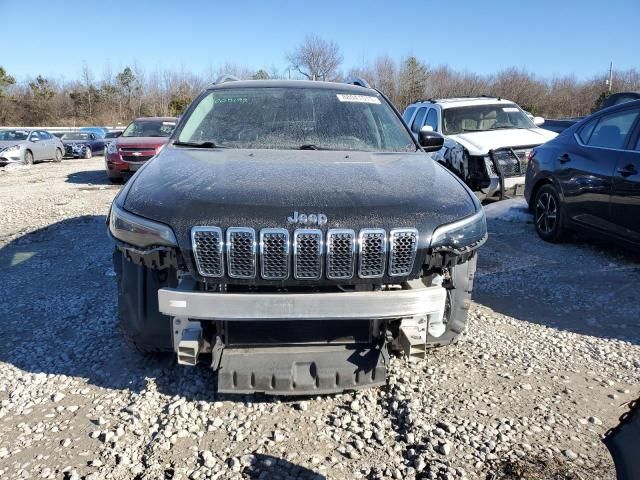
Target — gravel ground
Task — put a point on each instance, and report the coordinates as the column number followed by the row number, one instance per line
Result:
column 552, row 353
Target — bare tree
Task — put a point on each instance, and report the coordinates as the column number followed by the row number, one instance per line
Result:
column 87, row 80
column 316, row 59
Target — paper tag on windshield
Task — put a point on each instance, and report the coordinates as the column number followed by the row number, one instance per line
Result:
column 510, row 109
column 357, row 98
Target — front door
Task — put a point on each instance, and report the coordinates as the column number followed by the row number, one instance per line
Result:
column 625, row 201
column 37, row 147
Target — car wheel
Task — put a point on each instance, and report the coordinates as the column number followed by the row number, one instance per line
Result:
column 28, row 158
column 143, row 326
column 58, row 157
column 88, row 153
column 547, row 215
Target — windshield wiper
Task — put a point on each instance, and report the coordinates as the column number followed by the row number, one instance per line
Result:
column 309, row 146
column 197, row 144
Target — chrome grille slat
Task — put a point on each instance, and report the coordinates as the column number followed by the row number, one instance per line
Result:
column 207, row 246
column 274, row 253
column 241, row 252
column 373, row 253
column 341, row 250
column 307, row 254
column 402, row 251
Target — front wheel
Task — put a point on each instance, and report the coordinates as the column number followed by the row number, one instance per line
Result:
column 58, row 157
column 88, row 153
column 143, row 326
column 28, row 158
column 547, row 215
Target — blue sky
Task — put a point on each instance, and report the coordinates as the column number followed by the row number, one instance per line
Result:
column 55, row 37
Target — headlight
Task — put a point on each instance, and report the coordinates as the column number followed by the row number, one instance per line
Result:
column 139, row 231
column 456, row 236
column 112, row 148
column 13, row 148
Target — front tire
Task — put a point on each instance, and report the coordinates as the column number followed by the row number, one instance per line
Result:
column 547, row 215
column 58, row 157
column 143, row 326
column 28, row 158
column 88, row 153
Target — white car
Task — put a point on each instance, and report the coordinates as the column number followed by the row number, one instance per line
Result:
column 487, row 140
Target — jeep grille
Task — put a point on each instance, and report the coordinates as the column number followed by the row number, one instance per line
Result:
column 373, row 253
column 207, row 242
column 307, row 254
column 341, row 253
column 241, row 252
column 274, row 252
column 404, row 244
column 311, row 252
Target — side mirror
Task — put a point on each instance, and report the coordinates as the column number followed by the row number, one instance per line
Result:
column 33, row 139
column 429, row 140
column 538, row 121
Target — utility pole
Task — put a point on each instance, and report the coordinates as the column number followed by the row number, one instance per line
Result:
column 610, row 81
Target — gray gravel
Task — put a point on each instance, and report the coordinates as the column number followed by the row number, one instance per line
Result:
column 552, row 353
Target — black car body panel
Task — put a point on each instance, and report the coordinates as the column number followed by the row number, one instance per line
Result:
column 262, row 188
column 599, row 187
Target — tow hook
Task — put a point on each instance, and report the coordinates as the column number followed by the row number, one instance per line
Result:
column 187, row 341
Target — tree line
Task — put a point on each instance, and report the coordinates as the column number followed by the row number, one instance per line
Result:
column 118, row 97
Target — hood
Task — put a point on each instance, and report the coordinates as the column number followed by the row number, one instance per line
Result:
column 262, row 188
column 76, row 142
column 139, row 142
column 479, row 143
column 10, row 143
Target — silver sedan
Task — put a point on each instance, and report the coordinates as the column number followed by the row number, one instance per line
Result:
column 28, row 146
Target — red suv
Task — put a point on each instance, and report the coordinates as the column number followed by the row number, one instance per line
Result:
column 141, row 140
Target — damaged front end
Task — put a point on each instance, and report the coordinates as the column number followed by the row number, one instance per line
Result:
column 498, row 175
column 376, row 291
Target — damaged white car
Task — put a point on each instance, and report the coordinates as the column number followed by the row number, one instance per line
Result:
column 487, row 140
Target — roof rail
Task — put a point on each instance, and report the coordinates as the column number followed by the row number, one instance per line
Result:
column 226, row 78
column 359, row 82
column 424, row 100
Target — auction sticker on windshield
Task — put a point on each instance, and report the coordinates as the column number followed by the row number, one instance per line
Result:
column 357, row 98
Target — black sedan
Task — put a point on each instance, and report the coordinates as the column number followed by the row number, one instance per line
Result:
column 588, row 177
column 82, row 144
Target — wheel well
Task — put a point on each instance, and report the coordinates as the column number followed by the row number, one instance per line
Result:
column 534, row 192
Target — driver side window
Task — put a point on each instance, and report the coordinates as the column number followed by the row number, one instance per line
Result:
column 34, row 136
column 418, row 122
column 432, row 119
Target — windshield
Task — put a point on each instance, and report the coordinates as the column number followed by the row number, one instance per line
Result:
column 481, row 118
column 149, row 128
column 293, row 118
column 112, row 135
column 9, row 135
column 76, row 136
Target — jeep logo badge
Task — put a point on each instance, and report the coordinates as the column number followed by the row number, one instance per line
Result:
column 310, row 219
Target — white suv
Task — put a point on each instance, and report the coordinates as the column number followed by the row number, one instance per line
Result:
column 487, row 140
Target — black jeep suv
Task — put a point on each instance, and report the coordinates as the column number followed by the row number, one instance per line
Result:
column 291, row 233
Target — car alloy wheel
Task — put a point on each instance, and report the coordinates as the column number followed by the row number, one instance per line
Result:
column 58, row 157
column 88, row 153
column 546, row 213
column 28, row 158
